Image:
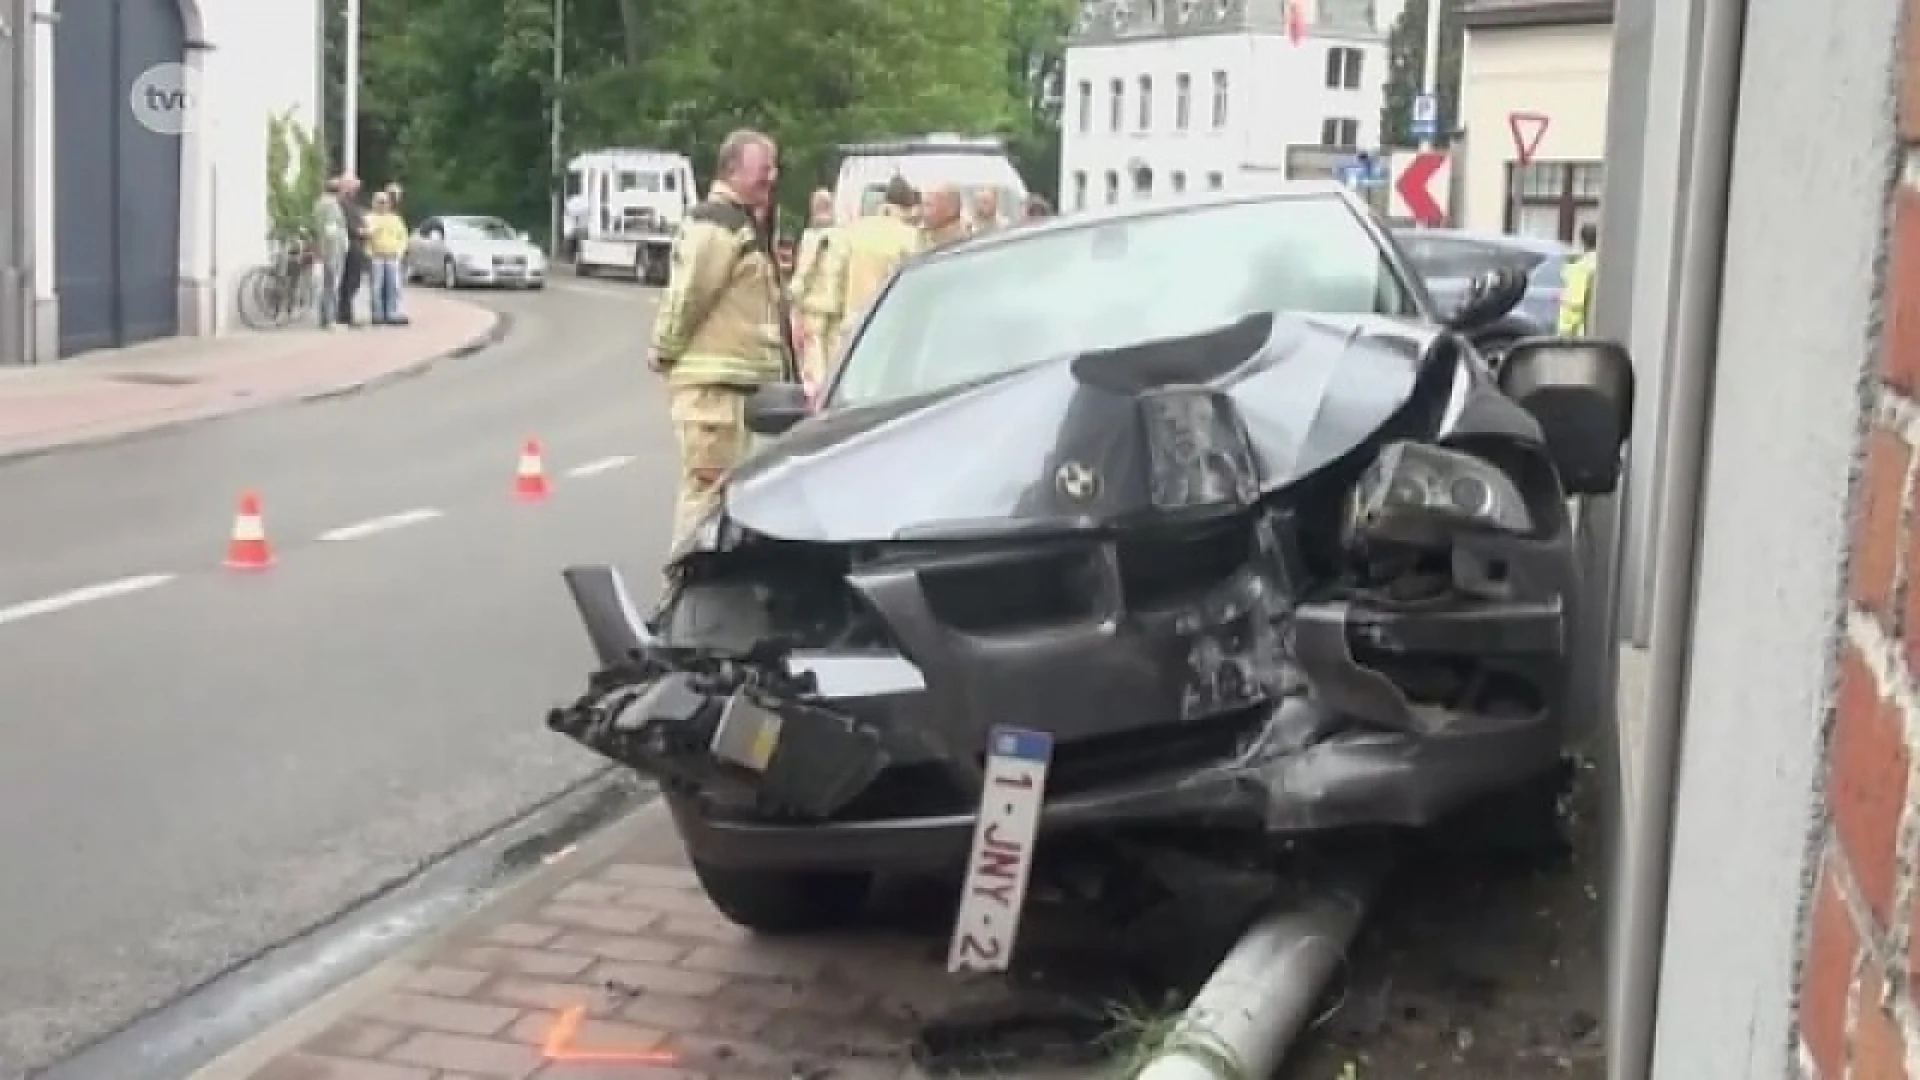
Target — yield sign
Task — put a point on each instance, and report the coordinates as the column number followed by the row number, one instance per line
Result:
column 1417, row 176
column 1528, row 128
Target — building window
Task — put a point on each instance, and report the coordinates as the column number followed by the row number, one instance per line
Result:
column 1143, row 183
column 1215, row 181
column 1079, row 191
column 1550, row 200
column 1179, row 181
column 1113, row 187
column 1182, row 101
column 1146, row 102
column 1086, row 106
column 1219, row 100
column 1341, row 131
column 1343, row 68
column 1115, row 107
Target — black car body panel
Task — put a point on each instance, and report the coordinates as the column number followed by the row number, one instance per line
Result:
column 1145, row 552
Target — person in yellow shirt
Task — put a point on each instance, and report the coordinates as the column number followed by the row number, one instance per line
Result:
column 386, row 245
column 1576, row 284
column 866, row 254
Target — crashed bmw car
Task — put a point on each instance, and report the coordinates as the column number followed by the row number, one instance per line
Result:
column 1208, row 491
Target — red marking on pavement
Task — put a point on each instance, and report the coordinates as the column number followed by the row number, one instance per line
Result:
column 1412, row 186
column 559, row 1047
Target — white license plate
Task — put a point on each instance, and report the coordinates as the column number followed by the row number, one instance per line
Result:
column 1002, row 857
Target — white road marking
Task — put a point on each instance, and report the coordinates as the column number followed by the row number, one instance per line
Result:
column 595, row 468
column 73, row 598
column 374, row 526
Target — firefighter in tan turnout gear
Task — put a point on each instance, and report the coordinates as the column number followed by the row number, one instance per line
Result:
column 942, row 217
column 808, row 289
column 866, row 254
column 720, row 331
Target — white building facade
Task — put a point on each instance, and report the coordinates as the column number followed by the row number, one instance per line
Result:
column 1546, row 63
column 1162, row 97
column 150, row 154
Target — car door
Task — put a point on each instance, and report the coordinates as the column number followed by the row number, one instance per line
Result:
column 425, row 249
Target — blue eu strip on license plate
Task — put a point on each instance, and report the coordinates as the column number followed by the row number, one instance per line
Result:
column 1001, row 861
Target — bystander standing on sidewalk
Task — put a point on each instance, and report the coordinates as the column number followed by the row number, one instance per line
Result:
column 354, row 267
column 387, row 245
column 396, row 200
column 330, row 243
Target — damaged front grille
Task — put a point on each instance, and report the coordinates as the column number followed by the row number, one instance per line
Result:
column 744, row 731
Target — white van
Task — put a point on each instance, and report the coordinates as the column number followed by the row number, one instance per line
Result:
column 966, row 163
column 633, row 201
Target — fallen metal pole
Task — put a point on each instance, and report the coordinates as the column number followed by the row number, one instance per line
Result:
column 1260, row 998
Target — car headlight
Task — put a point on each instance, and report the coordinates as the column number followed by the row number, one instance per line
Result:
column 1416, row 493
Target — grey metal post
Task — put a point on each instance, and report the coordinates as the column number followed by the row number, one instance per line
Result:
column 18, row 33
column 1717, row 29
column 556, row 213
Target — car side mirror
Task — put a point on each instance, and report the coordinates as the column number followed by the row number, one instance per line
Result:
column 775, row 408
column 1580, row 391
column 1490, row 296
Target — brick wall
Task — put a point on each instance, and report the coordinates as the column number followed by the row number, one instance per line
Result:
column 1859, row 995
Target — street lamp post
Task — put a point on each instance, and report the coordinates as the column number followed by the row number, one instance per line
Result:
column 1430, row 66
column 555, row 124
column 350, row 96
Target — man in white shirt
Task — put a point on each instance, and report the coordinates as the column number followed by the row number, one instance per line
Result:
column 576, row 224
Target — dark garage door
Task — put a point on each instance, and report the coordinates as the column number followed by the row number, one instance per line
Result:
column 117, row 184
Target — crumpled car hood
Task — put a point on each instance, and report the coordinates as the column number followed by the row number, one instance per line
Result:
column 1067, row 444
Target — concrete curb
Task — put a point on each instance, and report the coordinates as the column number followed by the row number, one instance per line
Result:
column 496, row 332
column 285, row 1036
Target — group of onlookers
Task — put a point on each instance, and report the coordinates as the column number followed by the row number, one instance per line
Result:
column 360, row 245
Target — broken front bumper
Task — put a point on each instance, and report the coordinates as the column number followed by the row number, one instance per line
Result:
column 763, row 758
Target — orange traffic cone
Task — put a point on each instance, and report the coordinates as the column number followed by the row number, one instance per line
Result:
column 248, row 549
column 530, row 483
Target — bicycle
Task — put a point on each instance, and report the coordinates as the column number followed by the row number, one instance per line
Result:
column 281, row 292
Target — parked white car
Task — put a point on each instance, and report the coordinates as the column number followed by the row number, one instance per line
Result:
column 461, row 250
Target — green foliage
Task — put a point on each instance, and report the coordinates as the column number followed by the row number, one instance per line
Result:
column 455, row 94
column 294, row 169
column 1406, row 59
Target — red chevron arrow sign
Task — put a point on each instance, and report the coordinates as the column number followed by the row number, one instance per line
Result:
column 1420, row 186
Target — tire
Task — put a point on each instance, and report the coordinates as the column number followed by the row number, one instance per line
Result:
column 258, row 301
column 785, row 902
column 449, row 274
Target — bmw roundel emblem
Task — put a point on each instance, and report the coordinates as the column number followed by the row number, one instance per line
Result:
column 1077, row 482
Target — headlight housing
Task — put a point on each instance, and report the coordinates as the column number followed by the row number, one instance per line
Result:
column 1419, row 494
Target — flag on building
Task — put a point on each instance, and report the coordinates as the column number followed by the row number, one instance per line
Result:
column 1297, row 20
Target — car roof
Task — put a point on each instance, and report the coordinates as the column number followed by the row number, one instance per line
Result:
column 1530, row 244
column 1280, row 191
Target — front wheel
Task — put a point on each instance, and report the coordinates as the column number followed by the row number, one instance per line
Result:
column 785, row 901
column 450, row 274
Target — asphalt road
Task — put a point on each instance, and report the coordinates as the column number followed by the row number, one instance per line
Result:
column 196, row 764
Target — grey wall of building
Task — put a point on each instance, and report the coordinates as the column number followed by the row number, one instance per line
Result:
column 1813, row 160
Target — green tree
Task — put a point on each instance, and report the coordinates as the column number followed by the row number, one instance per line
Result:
column 455, row 94
column 293, row 182
column 1406, row 61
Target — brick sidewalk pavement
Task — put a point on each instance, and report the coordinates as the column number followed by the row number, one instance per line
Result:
column 105, row 395
column 628, row 937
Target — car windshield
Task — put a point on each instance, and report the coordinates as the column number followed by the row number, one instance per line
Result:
column 983, row 311
column 485, row 228
column 1444, row 257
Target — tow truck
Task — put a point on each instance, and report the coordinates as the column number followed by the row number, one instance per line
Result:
column 634, row 200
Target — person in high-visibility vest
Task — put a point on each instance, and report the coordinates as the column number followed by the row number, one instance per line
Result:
column 1576, row 284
